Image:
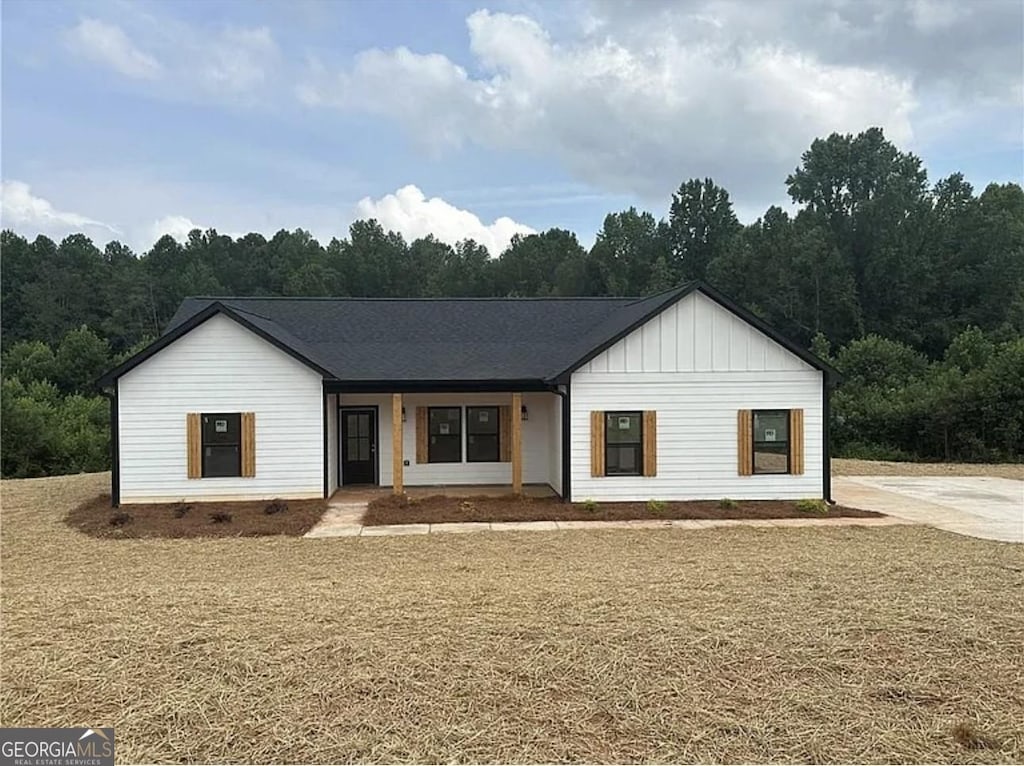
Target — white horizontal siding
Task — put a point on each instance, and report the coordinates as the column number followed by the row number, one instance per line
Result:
column 697, row 433
column 220, row 367
column 695, row 335
column 536, row 440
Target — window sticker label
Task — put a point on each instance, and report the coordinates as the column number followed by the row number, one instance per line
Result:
column 443, row 428
column 485, row 416
column 769, row 434
column 624, row 423
column 220, row 426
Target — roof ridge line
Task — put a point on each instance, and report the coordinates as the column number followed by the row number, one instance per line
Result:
column 667, row 291
column 232, row 298
column 246, row 311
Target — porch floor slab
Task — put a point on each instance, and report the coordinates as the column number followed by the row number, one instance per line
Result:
column 360, row 493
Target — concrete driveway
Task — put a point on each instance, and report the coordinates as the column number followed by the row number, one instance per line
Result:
column 979, row 506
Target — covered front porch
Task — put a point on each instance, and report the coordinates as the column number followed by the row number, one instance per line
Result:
column 424, row 442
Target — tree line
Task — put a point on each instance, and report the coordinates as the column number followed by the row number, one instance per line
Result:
column 914, row 290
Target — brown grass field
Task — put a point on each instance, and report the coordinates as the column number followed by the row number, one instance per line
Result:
column 850, row 467
column 891, row 644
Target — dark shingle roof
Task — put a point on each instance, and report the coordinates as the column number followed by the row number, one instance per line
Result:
column 461, row 339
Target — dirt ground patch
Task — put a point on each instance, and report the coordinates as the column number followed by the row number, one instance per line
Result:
column 97, row 518
column 439, row 509
column 849, row 467
column 741, row 644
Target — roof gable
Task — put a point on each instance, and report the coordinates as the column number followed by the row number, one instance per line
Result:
column 694, row 334
column 262, row 327
column 728, row 305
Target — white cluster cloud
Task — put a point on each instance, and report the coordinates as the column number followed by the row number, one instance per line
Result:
column 409, row 212
column 240, row 59
column 628, row 112
column 189, row 61
column 108, row 44
column 178, row 226
column 21, row 209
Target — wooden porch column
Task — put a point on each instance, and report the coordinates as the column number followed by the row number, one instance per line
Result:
column 517, row 443
column 396, row 445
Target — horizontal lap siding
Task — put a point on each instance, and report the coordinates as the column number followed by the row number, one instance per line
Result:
column 697, row 432
column 536, row 439
column 220, row 367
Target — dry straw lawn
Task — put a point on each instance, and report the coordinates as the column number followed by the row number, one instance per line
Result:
column 850, row 467
column 736, row 645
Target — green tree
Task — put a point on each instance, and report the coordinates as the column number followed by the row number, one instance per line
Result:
column 549, row 263
column 466, row 272
column 624, row 255
column 874, row 201
column 27, row 434
column 29, row 361
column 370, row 261
column 80, row 359
column 701, row 227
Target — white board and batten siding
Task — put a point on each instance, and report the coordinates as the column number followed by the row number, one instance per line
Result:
column 220, row 366
column 696, row 364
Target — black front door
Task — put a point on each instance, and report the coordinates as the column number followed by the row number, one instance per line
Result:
column 358, row 446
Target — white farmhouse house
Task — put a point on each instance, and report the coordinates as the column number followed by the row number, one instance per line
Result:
column 682, row 395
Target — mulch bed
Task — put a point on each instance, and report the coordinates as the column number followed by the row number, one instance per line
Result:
column 439, row 509
column 253, row 518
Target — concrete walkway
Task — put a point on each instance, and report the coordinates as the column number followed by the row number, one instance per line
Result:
column 977, row 506
column 345, row 520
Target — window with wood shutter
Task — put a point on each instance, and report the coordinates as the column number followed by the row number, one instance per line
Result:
column 422, row 435
column 597, row 443
column 650, row 443
column 194, row 445
column 796, row 442
column 745, row 442
column 505, row 434
column 623, row 444
column 445, row 426
column 482, row 434
column 220, row 444
column 770, row 442
column 248, row 444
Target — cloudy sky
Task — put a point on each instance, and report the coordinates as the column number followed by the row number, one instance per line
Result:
column 128, row 120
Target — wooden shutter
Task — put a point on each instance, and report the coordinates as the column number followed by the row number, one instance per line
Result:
column 597, row 443
column 650, row 443
column 422, row 435
column 505, row 433
column 248, row 444
column 796, row 441
column 194, row 445
column 745, row 442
